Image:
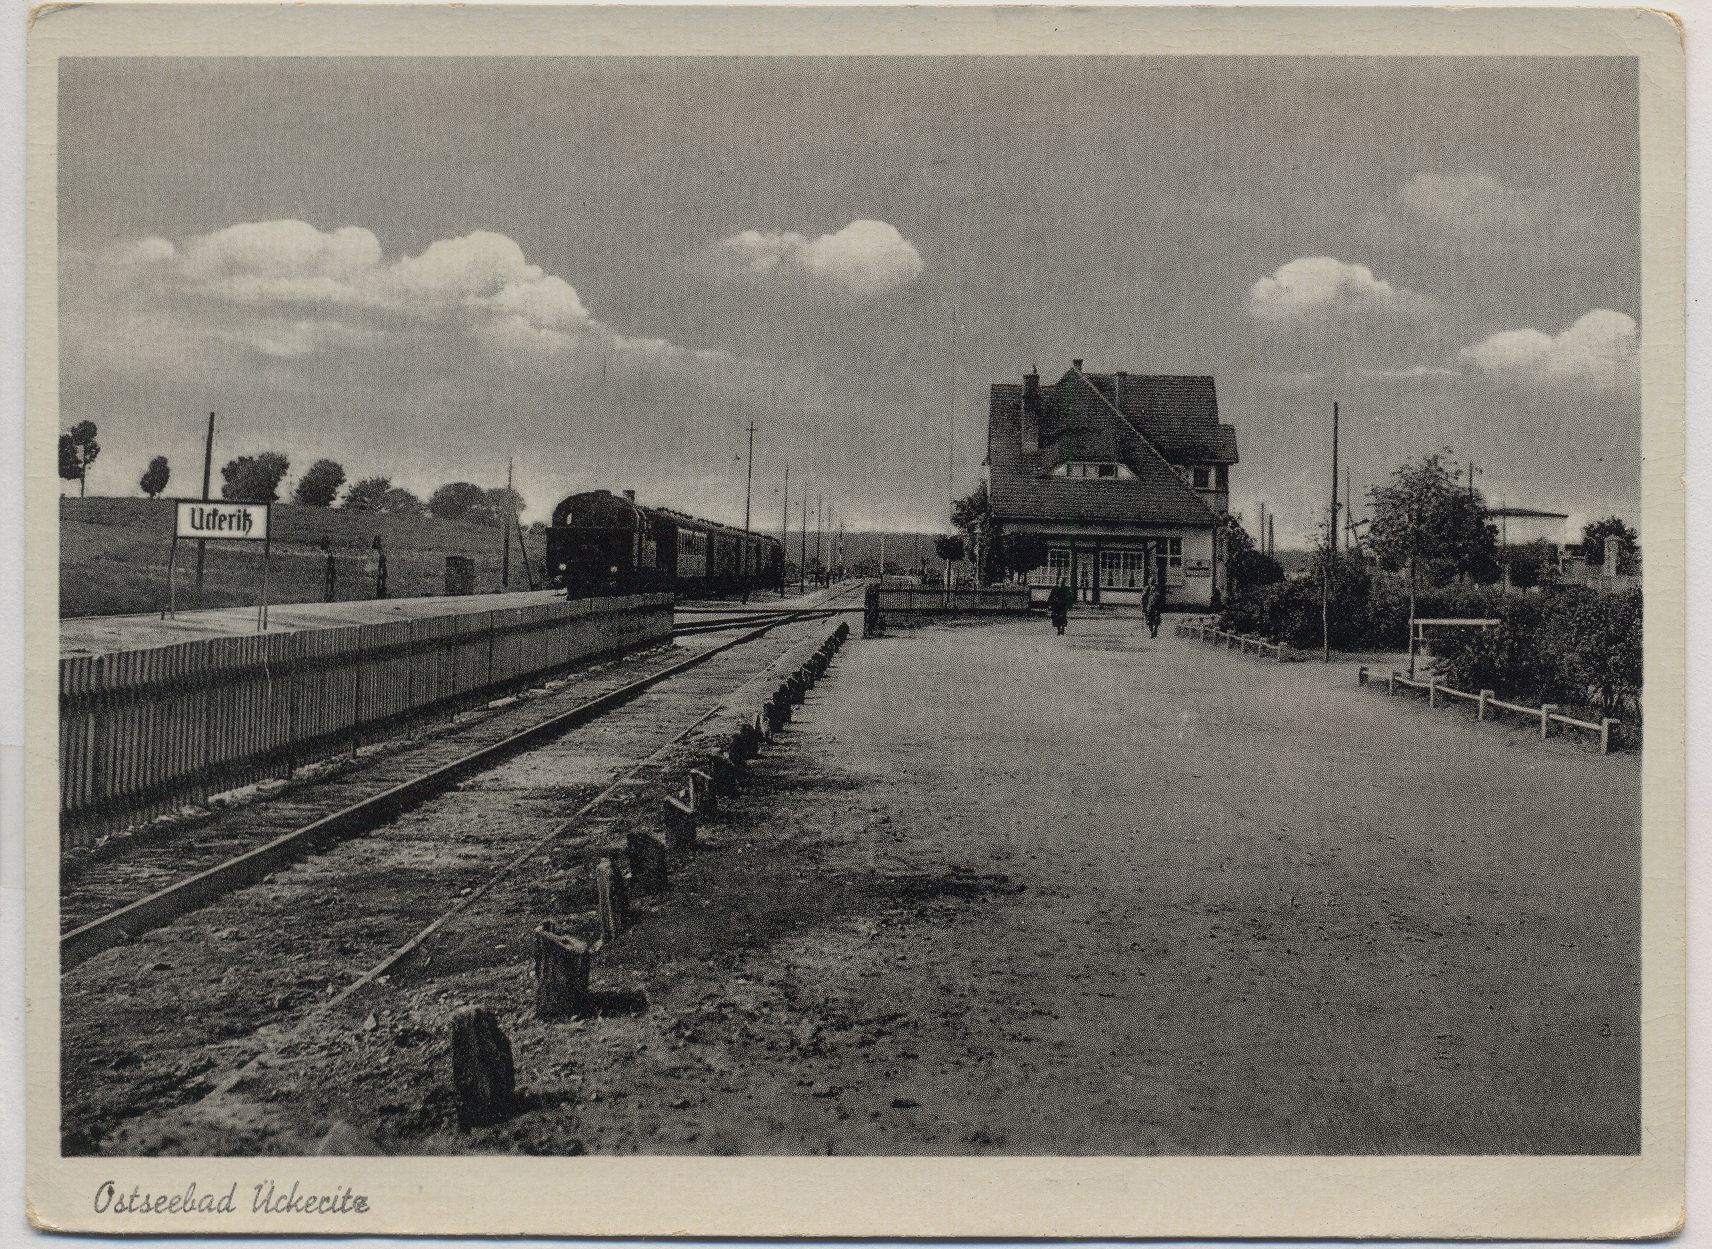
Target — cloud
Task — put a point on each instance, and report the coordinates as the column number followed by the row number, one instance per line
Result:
column 1477, row 214
column 287, row 290
column 1320, row 287
column 863, row 259
column 1601, row 351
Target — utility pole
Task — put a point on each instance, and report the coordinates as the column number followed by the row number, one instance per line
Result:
column 802, row 555
column 817, row 530
column 1271, row 535
column 207, row 481
column 505, row 534
column 749, row 478
column 1348, row 513
column 785, row 529
column 1334, row 477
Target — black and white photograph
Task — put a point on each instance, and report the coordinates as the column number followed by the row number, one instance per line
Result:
column 624, row 604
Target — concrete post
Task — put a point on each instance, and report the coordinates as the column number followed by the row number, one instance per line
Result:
column 724, row 775
column 1391, row 684
column 1361, row 675
column 1605, row 727
column 561, row 975
column 614, row 899
column 1546, row 713
column 1432, row 691
column 702, row 795
column 482, row 1071
column 1485, row 696
column 647, row 855
column 680, row 821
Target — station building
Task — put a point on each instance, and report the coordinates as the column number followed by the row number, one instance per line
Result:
column 1116, row 476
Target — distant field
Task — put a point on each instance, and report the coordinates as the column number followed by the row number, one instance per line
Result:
column 113, row 557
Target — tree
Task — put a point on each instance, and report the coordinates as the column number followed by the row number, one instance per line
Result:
column 1531, row 563
column 155, row 477
column 254, row 478
column 366, row 495
column 1424, row 519
column 949, row 547
column 1245, row 568
column 1022, row 553
column 1593, row 544
column 459, row 500
column 399, row 502
column 77, row 451
column 318, row 486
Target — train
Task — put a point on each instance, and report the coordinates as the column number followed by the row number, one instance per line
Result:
column 603, row 543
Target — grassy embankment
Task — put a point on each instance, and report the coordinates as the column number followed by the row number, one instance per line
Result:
column 113, row 557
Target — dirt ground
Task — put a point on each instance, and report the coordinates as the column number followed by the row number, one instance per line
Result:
column 998, row 891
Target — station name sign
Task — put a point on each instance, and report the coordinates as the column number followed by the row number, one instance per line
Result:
column 234, row 522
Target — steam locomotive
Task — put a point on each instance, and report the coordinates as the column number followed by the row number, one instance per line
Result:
column 602, row 543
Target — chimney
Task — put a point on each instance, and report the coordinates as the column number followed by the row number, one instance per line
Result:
column 630, row 495
column 1117, row 389
column 1076, row 364
column 1031, row 410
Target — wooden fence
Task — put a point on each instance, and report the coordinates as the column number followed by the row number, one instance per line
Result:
column 145, row 732
column 1204, row 631
column 1487, row 704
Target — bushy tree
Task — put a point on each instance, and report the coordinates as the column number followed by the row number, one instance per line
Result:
column 949, row 547
column 155, row 477
column 1531, row 563
column 366, row 495
column 1022, row 553
column 254, row 478
column 318, row 486
column 501, row 505
column 1428, row 524
column 1246, row 568
column 459, row 500
column 1593, row 543
column 399, row 502
column 77, row 451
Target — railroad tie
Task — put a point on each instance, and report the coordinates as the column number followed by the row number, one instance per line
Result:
column 679, row 818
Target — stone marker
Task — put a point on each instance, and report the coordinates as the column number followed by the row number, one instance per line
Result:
column 561, row 975
column 609, row 888
column 482, row 1072
column 647, row 855
column 679, row 819
column 703, row 796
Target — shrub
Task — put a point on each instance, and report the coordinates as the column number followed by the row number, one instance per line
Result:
column 317, row 487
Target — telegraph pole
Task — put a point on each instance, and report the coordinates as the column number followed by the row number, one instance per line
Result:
column 505, row 534
column 749, row 479
column 207, row 480
column 1330, row 554
column 817, row 530
column 1334, row 477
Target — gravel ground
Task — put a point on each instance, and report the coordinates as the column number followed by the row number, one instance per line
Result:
column 997, row 891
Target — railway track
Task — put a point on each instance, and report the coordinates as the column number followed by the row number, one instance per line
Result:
column 158, row 879
column 154, row 1026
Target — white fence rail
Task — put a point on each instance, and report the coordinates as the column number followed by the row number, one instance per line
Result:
column 1202, row 630
column 1488, row 704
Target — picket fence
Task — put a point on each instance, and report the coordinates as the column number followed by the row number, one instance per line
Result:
column 145, row 732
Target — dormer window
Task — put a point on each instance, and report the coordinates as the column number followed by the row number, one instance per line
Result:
column 1203, row 477
column 1108, row 469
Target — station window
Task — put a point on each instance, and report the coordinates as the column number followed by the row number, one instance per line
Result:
column 1058, row 565
column 1221, row 476
column 1203, row 477
column 1108, row 469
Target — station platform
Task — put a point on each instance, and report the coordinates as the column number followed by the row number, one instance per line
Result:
column 105, row 635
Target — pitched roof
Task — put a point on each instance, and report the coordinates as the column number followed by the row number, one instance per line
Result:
column 1079, row 424
column 1178, row 415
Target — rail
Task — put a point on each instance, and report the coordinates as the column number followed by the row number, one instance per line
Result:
column 146, row 732
column 1486, row 702
column 1205, row 632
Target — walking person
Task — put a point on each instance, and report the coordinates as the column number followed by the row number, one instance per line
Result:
column 330, row 572
column 377, row 567
column 1151, row 607
column 1058, row 604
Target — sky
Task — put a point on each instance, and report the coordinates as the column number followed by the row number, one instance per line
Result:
column 603, row 269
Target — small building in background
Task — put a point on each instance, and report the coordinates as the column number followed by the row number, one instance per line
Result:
column 1518, row 526
column 1106, row 480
